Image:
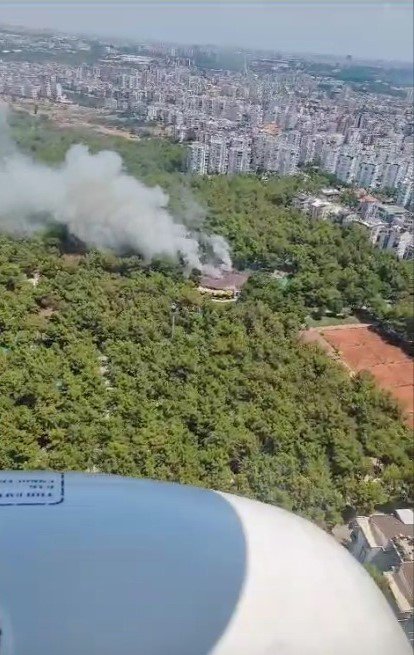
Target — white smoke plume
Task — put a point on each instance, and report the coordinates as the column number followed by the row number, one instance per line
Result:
column 101, row 205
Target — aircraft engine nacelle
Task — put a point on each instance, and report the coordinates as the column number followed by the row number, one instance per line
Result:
column 105, row 565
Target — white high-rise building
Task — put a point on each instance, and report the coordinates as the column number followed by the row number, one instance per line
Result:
column 265, row 153
column 293, row 138
column 239, row 157
column 206, row 105
column 367, row 174
column 319, row 144
column 198, row 158
column 307, row 148
column 259, row 148
column 218, row 158
column 353, row 136
column 346, row 168
column 329, row 158
column 58, row 91
column 397, row 240
column 256, row 116
column 217, row 105
column 405, row 243
column 288, row 159
column 390, row 174
column 405, row 195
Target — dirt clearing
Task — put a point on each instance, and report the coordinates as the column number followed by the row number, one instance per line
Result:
column 360, row 348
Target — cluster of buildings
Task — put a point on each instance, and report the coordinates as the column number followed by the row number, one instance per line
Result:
column 27, row 44
column 366, row 141
column 389, row 226
column 354, row 156
column 33, row 81
column 386, row 542
column 276, row 118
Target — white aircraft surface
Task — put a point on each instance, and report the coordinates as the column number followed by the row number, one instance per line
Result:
column 105, row 565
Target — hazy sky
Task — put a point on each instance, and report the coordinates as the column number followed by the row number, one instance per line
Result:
column 371, row 29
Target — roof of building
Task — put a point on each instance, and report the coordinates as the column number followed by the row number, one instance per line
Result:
column 368, row 221
column 330, row 191
column 404, row 578
column 392, row 209
column 401, row 584
column 406, row 516
column 229, row 280
column 380, row 529
column 390, row 526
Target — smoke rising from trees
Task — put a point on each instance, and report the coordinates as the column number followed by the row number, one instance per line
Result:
column 101, row 205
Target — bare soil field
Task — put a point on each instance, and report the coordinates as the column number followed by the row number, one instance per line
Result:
column 359, row 348
column 75, row 116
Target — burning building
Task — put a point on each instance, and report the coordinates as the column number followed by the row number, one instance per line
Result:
column 227, row 286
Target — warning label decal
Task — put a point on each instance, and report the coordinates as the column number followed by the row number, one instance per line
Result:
column 37, row 488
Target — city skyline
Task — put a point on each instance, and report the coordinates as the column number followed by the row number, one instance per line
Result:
column 272, row 115
column 379, row 31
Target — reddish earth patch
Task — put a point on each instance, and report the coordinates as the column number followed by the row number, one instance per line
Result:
column 362, row 349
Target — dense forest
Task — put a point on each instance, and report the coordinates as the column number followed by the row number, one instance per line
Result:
column 332, row 268
column 94, row 376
